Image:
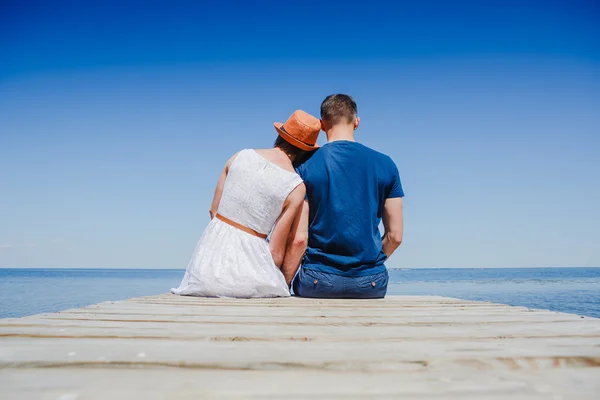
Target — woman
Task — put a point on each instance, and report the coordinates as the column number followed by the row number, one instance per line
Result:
column 258, row 193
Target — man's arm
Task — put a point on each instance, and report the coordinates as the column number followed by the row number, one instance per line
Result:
column 393, row 224
column 297, row 242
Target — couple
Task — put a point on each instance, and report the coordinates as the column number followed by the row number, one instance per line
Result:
column 301, row 216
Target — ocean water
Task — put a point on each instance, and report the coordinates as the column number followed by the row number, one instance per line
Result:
column 573, row 290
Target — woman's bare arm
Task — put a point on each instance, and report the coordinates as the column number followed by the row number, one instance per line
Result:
column 279, row 236
column 297, row 242
column 219, row 189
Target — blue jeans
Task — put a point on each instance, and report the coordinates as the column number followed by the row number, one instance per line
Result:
column 311, row 283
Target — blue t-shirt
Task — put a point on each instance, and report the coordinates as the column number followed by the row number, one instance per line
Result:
column 347, row 184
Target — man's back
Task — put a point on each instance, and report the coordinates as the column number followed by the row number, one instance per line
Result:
column 347, row 184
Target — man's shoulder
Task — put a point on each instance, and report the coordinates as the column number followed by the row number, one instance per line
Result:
column 321, row 155
column 379, row 156
column 312, row 158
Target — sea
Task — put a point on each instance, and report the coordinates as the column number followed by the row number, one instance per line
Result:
column 572, row 290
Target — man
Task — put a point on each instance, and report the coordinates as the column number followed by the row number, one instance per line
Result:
column 350, row 189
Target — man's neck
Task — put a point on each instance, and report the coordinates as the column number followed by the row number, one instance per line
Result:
column 340, row 132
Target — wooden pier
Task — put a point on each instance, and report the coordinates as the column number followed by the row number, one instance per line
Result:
column 421, row 347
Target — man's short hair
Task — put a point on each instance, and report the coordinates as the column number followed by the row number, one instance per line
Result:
column 338, row 108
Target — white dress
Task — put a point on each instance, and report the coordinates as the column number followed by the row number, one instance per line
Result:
column 229, row 262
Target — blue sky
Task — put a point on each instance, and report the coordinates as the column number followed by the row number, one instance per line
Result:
column 116, row 119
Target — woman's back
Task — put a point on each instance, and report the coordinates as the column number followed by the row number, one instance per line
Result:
column 258, row 193
column 232, row 262
column 255, row 190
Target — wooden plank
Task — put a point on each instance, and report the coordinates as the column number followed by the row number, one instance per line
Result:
column 177, row 383
column 416, row 346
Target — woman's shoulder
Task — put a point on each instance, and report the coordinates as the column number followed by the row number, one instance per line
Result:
column 272, row 158
column 233, row 158
column 297, row 192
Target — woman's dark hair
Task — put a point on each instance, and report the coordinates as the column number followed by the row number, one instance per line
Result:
column 299, row 155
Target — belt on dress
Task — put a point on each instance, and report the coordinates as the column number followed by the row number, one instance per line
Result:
column 241, row 227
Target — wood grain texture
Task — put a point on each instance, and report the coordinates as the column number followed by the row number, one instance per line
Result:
column 426, row 347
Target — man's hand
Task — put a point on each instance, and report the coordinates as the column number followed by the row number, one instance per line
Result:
column 393, row 223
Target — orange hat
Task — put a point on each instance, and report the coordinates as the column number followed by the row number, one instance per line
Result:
column 301, row 130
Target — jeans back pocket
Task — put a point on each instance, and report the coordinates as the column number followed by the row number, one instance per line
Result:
column 373, row 286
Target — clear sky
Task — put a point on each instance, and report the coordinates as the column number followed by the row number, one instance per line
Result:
column 117, row 117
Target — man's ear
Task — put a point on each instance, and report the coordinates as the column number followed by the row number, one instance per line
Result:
column 356, row 123
column 323, row 127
